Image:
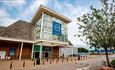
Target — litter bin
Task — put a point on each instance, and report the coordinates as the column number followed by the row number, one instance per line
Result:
column 78, row 56
column 37, row 61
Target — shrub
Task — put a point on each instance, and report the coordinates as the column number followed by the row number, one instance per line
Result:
column 113, row 63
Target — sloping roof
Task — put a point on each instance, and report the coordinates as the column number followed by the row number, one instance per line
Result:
column 2, row 30
column 19, row 30
column 50, row 12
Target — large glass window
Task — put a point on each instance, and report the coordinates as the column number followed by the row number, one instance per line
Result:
column 37, row 29
column 47, row 29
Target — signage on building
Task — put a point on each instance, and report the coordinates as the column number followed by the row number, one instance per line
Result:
column 56, row 28
column 12, row 51
column 44, row 48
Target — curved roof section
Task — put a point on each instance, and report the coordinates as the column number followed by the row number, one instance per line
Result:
column 50, row 12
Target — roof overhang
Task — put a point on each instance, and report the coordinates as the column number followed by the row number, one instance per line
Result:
column 16, row 40
column 52, row 43
column 50, row 12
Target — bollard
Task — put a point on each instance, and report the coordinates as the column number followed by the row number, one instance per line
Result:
column 47, row 60
column 24, row 64
column 75, row 59
column 62, row 60
column 34, row 63
column 43, row 62
column 53, row 59
column 11, row 64
column 81, row 57
column 71, row 59
column 50, row 62
column 67, row 59
column 57, row 61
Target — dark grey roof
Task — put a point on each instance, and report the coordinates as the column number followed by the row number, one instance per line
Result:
column 20, row 30
column 2, row 29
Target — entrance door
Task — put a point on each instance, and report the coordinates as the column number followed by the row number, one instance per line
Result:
column 36, row 54
column 2, row 54
column 46, row 54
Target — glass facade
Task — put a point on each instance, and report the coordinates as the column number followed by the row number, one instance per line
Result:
column 37, row 29
column 47, row 29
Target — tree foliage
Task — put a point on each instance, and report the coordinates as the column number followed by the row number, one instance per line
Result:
column 99, row 26
column 81, row 49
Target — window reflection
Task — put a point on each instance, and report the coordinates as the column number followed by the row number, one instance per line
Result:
column 47, row 29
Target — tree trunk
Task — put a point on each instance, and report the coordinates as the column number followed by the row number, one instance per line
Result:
column 107, row 58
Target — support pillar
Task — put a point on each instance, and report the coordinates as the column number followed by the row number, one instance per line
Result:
column 59, row 52
column 40, row 51
column 66, row 51
column 41, row 33
column 21, row 51
column 72, row 52
column 51, row 52
column 32, row 51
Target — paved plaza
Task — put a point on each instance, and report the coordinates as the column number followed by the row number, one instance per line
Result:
column 89, row 64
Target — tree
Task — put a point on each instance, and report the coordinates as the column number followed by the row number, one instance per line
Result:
column 81, row 49
column 98, row 27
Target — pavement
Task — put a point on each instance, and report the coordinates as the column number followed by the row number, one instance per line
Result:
column 90, row 64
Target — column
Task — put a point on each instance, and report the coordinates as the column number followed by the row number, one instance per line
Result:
column 41, row 33
column 59, row 52
column 40, row 51
column 21, row 51
column 52, row 51
column 72, row 52
column 65, row 51
column 32, row 51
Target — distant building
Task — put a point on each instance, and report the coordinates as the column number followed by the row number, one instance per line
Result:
column 41, row 38
column 69, row 51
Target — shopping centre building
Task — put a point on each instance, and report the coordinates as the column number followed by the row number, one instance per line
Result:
column 42, row 37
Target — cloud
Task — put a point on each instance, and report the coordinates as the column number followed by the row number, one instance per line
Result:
column 14, row 3
column 30, row 11
column 26, row 14
column 5, row 19
column 3, row 13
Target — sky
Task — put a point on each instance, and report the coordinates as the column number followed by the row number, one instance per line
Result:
column 13, row 10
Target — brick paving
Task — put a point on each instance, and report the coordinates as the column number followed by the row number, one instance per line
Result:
column 91, row 64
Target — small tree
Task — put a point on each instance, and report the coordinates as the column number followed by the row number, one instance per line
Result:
column 81, row 49
column 98, row 27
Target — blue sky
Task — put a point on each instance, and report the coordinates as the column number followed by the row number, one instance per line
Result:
column 13, row 10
